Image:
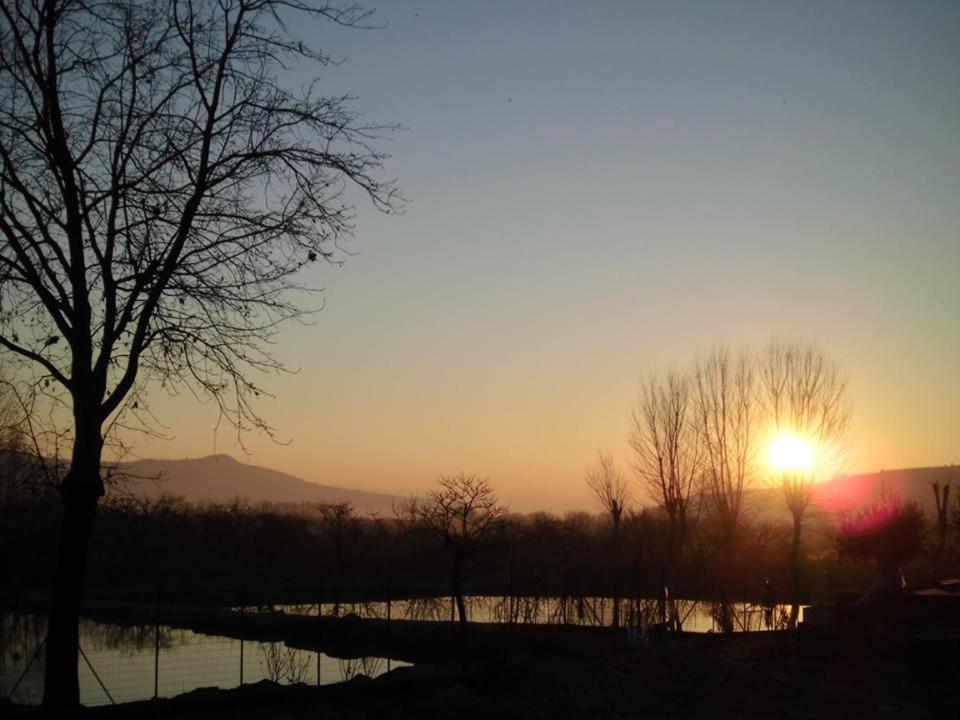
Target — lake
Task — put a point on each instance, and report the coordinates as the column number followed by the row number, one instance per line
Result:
column 124, row 660
column 696, row 615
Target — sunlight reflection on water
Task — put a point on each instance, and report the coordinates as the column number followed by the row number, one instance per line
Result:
column 696, row 616
column 124, row 657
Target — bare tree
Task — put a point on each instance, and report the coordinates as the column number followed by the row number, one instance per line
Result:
column 725, row 414
column 31, row 464
column 160, row 187
column 802, row 392
column 665, row 442
column 341, row 528
column 610, row 487
column 283, row 664
column 888, row 532
column 613, row 494
column 463, row 513
column 666, row 449
column 941, row 496
column 12, row 446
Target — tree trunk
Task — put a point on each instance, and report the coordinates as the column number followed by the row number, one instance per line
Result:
column 664, row 597
column 616, row 571
column 82, row 488
column 888, row 580
column 942, row 497
column 671, row 612
column 795, row 569
column 457, row 589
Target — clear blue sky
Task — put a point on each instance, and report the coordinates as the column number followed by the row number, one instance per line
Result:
column 602, row 189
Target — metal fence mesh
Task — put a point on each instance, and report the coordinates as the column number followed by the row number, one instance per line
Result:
column 128, row 663
column 124, row 664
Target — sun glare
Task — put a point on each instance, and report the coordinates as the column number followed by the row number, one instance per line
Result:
column 790, row 453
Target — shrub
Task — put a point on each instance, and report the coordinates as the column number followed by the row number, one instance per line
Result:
column 889, row 531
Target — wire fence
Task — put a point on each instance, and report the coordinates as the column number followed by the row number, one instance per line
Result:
column 124, row 664
column 120, row 664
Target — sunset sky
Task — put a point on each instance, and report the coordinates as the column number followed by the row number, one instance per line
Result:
column 604, row 189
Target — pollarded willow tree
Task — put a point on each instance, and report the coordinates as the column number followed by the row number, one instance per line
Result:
column 608, row 485
column 667, row 460
column 667, row 452
column 724, row 411
column 803, row 393
column 161, row 185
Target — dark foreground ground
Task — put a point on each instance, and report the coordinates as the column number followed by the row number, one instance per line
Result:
column 568, row 672
column 730, row 678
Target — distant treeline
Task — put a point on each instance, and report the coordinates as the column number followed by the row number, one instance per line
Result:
column 145, row 543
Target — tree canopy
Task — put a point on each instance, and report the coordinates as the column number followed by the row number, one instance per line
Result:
column 161, row 185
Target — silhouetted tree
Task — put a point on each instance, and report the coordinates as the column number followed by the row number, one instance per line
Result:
column 725, row 412
column 802, row 392
column 340, row 526
column 888, row 533
column 12, row 455
column 941, row 496
column 212, row 546
column 612, row 492
column 25, row 473
column 463, row 513
column 610, row 488
column 160, row 186
column 667, row 457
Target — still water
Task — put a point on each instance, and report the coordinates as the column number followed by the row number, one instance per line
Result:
column 694, row 615
column 125, row 660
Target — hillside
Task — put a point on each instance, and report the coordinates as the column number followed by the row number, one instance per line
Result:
column 221, row 478
column 849, row 493
column 846, row 492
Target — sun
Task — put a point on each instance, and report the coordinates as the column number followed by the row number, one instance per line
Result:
column 790, row 453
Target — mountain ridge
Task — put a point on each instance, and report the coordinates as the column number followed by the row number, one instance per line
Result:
column 848, row 493
column 222, row 477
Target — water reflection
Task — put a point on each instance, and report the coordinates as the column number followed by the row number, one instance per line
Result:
column 369, row 666
column 285, row 665
column 134, row 666
column 688, row 615
column 20, row 636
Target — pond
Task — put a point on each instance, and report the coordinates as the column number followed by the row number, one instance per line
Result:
column 695, row 615
column 137, row 663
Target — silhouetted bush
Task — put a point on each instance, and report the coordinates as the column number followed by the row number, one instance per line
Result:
column 891, row 530
column 140, row 543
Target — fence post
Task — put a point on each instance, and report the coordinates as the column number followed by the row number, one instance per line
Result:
column 243, row 602
column 319, row 622
column 389, row 622
column 663, row 595
column 600, row 591
column 746, row 621
column 615, row 607
column 156, row 649
column 512, row 610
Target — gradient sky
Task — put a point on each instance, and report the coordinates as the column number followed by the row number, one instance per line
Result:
column 604, row 189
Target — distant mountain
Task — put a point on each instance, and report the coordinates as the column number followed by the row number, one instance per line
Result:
column 221, row 478
column 846, row 493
